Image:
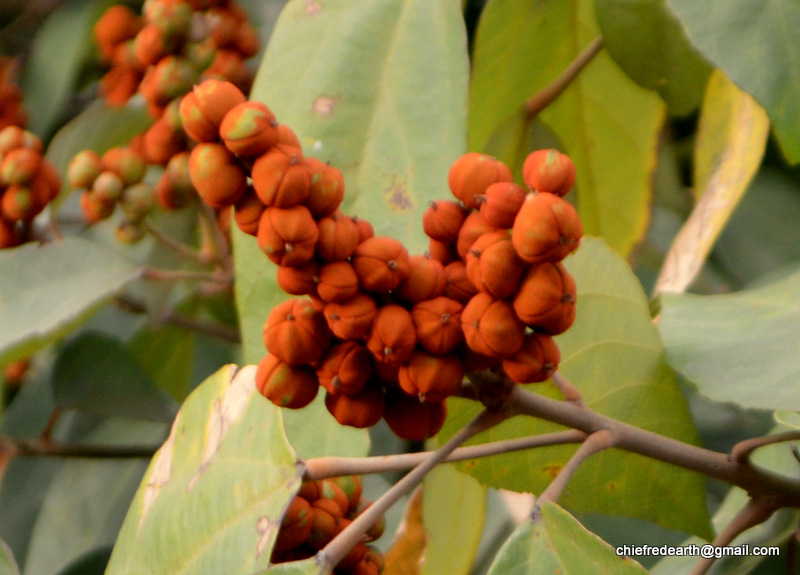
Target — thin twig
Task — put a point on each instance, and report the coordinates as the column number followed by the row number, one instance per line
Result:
column 193, row 324
column 324, row 467
column 334, row 551
column 220, row 248
column 596, row 442
column 569, row 391
column 179, row 275
column 549, row 93
column 47, row 448
column 181, row 248
column 742, row 450
column 753, row 513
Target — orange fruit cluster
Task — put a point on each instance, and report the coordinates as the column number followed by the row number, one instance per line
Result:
column 12, row 111
column 320, row 511
column 28, row 182
column 161, row 54
column 386, row 334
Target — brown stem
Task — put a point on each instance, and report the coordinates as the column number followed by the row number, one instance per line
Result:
column 181, row 248
column 778, row 490
column 47, row 448
column 178, row 275
column 549, row 93
column 324, row 467
column 596, row 442
column 742, row 450
column 334, row 551
column 47, row 431
column 220, row 249
column 753, row 513
column 169, row 317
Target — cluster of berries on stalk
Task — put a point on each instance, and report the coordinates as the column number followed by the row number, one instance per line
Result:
column 28, row 182
column 161, row 54
column 318, row 513
column 384, row 333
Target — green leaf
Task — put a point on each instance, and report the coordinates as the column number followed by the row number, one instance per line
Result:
column 72, row 500
column 355, row 79
column 731, row 139
column 614, row 356
column 305, row 567
column 212, row 498
column 46, row 291
column 608, row 125
column 98, row 128
column 739, row 347
column 166, row 353
column 774, row 531
column 788, row 418
column 95, row 373
column 754, row 41
column 7, row 564
column 90, row 563
column 59, row 50
column 647, row 41
column 454, row 509
column 556, row 543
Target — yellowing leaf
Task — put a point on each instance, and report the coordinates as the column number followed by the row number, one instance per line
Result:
column 731, row 139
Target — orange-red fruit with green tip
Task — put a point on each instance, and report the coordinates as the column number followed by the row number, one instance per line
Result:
column 331, row 491
column 412, row 419
column 299, row 280
column 117, row 24
column 338, row 282
column 437, row 322
column 249, row 129
column 327, row 188
column 393, row 337
column 203, row 109
column 95, row 209
column 323, row 526
column 19, row 167
column 431, row 377
column 546, row 298
column 281, row 177
column 287, row 236
column 381, row 263
column 547, row 229
column 491, row 327
column 216, row 176
column 361, row 410
column 338, row 237
column 443, row 219
column 162, row 142
column 425, row 280
column 285, row 385
column 351, row 319
column 493, row 264
column 345, row 368
column 296, row 332
column 126, row 163
column 83, row 168
column 20, row 203
column 295, row 525
column 108, row 187
column 287, row 136
column 365, row 229
column 373, row 563
column 171, row 196
column 459, row 287
column 471, row 174
column 248, row 211
column 501, row 203
column 549, row 171
column 474, row 227
column 536, row 361
column 353, row 487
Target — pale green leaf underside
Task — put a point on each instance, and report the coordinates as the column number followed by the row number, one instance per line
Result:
column 48, row 290
column 739, row 347
column 555, row 543
column 213, row 496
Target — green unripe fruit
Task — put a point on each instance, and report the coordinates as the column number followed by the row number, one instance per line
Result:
column 107, row 187
column 84, row 167
column 137, row 201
